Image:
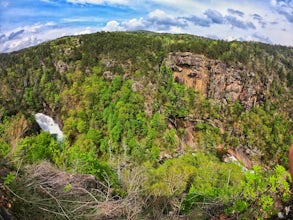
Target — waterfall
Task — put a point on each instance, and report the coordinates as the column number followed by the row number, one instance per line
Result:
column 47, row 124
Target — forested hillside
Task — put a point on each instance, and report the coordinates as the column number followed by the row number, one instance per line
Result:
column 149, row 121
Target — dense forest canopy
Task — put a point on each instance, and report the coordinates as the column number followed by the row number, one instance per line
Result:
column 149, row 118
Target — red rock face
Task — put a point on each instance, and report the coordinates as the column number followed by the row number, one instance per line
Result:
column 214, row 80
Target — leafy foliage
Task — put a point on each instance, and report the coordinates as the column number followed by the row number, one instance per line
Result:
column 121, row 109
column 260, row 190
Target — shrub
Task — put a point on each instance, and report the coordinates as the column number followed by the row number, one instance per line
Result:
column 260, row 189
column 36, row 148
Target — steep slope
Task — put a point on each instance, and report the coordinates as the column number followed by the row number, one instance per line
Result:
column 148, row 106
column 214, row 80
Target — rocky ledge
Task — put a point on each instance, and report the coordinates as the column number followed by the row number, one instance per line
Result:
column 215, row 80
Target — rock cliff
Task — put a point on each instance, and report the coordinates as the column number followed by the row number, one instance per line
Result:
column 215, row 80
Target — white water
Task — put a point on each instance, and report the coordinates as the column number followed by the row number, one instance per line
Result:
column 47, row 124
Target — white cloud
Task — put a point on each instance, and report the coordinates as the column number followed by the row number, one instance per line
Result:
column 17, row 44
column 248, row 20
column 159, row 16
column 176, row 30
column 113, row 26
column 159, row 20
column 87, row 30
column 261, row 37
column 83, row 19
column 36, row 27
column 27, row 36
column 156, row 20
column 229, row 38
column 182, row 4
column 134, row 24
column 284, row 8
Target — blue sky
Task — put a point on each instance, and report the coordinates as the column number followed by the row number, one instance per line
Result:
column 24, row 23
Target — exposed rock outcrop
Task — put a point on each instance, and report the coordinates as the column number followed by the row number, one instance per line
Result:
column 215, row 80
column 246, row 155
column 108, row 75
column 61, row 66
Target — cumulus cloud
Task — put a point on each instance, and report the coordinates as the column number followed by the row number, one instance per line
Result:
column 209, row 17
column 134, row 24
column 15, row 34
column 230, row 38
column 199, row 21
column 262, row 38
column 156, row 20
column 175, row 29
column 215, row 16
column 253, row 21
column 235, row 12
column 17, row 44
column 288, row 15
column 19, row 38
column 284, row 7
column 27, row 36
column 256, row 36
column 256, row 17
column 235, row 22
column 87, row 30
column 113, row 26
column 163, row 21
column 259, row 19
